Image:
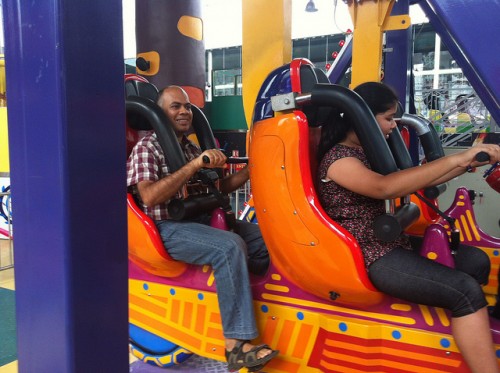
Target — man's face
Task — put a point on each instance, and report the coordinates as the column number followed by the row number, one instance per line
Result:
column 177, row 107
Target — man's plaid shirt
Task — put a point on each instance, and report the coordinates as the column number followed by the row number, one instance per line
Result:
column 147, row 162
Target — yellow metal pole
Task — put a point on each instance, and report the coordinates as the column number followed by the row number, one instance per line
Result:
column 371, row 18
column 267, row 44
column 4, row 143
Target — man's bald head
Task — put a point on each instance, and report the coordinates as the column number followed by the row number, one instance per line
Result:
column 176, row 105
column 166, row 92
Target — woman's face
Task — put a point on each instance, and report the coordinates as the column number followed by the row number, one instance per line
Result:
column 386, row 120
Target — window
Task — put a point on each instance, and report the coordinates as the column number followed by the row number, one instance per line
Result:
column 226, row 82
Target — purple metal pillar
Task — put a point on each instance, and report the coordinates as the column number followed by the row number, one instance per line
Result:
column 342, row 63
column 64, row 61
column 398, row 65
column 397, row 57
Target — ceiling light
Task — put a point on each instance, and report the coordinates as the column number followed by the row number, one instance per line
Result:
column 310, row 7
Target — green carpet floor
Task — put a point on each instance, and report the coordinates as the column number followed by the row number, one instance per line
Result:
column 8, row 352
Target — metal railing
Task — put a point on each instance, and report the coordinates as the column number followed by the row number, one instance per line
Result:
column 457, row 119
column 240, row 196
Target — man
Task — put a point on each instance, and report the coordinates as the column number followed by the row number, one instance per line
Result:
column 195, row 242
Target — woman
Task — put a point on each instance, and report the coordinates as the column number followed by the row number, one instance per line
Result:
column 396, row 268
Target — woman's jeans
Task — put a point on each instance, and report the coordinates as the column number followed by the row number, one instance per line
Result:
column 231, row 256
column 407, row 275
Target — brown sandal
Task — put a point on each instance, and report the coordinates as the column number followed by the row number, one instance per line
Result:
column 237, row 359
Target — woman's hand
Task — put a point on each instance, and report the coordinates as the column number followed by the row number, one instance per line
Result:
column 468, row 158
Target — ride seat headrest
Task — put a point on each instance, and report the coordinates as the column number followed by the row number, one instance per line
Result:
column 141, row 89
column 137, row 88
column 321, row 76
column 309, row 77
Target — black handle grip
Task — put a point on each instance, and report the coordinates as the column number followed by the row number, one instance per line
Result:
column 230, row 160
column 434, row 191
column 388, row 227
column 236, row 160
column 482, row 157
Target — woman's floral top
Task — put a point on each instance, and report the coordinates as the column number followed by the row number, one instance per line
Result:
column 353, row 211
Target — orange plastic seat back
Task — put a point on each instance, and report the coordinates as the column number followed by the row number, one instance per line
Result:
column 305, row 245
column 145, row 247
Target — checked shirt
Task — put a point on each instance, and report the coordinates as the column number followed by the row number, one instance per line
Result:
column 147, row 163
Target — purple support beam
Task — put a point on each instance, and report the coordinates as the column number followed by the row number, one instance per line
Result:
column 65, row 68
column 397, row 57
column 342, row 63
column 397, row 68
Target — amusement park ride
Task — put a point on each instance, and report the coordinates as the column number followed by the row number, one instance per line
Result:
column 316, row 303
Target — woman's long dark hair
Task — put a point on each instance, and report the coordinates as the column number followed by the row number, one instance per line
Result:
column 332, row 132
column 379, row 98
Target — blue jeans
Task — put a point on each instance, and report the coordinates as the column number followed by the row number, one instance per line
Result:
column 231, row 256
column 407, row 275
